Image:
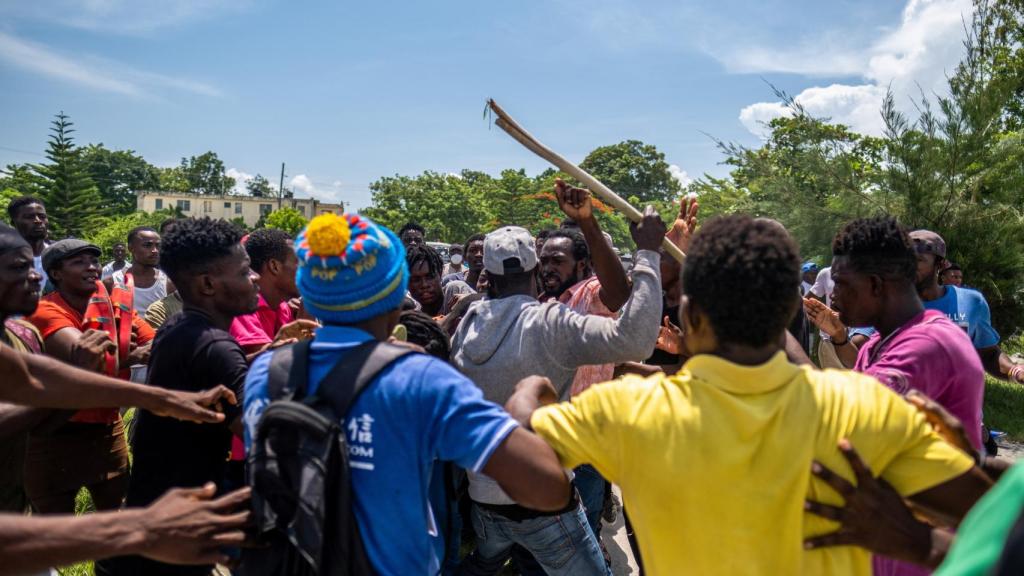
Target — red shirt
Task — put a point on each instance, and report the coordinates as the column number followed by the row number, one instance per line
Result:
column 54, row 314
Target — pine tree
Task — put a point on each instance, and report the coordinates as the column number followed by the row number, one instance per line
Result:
column 72, row 199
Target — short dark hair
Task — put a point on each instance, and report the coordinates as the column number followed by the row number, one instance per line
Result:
column 166, row 225
column 580, row 250
column 952, row 266
column 744, row 273
column 425, row 332
column 193, row 244
column 116, row 244
column 877, row 245
column 134, row 233
column 266, row 244
column 20, row 202
column 417, row 253
column 411, row 226
column 471, row 239
column 543, row 234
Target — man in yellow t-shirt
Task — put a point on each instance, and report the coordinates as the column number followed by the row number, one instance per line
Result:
column 715, row 462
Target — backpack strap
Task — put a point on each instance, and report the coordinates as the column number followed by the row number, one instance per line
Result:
column 355, row 371
column 288, row 372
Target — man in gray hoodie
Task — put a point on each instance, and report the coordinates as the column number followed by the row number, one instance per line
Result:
column 512, row 336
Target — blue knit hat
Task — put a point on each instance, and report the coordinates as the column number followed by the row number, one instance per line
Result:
column 350, row 269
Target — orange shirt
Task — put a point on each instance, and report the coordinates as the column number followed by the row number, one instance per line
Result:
column 55, row 314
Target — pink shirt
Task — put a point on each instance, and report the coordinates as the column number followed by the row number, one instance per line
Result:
column 931, row 354
column 935, row 356
column 584, row 298
column 261, row 326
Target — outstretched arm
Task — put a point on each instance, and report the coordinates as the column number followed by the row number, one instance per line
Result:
column 41, row 381
column 185, row 526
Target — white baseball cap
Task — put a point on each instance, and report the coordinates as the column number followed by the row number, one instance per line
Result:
column 509, row 250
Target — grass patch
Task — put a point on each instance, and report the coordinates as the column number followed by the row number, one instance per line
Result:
column 1004, row 407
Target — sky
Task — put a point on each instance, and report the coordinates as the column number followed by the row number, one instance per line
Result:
column 345, row 93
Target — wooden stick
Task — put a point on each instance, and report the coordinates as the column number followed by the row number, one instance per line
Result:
column 513, row 129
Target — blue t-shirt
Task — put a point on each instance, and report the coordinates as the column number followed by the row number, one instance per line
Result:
column 417, row 411
column 967, row 309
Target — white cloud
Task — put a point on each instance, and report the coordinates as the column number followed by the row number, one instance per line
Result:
column 680, row 175
column 916, row 56
column 119, row 16
column 98, row 74
column 240, row 180
column 302, row 183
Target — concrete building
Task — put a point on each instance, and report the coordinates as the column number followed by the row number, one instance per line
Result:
column 248, row 208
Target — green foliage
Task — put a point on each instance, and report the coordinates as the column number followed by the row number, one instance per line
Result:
column 632, row 168
column 287, row 219
column 73, row 202
column 6, row 195
column 118, row 175
column 446, row 205
column 204, row 174
column 116, row 229
column 20, row 178
column 957, row 168
column 259, row 187
column 240, row 223
column 173, row 180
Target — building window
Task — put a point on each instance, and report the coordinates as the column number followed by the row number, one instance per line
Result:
column 207, row 206
column 238, row 207
column 159, row 203
column 266, row 209
column 227, row 204
column 185, row 205
column 302, row 210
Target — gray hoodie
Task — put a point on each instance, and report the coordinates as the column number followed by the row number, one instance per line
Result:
column 502, row 341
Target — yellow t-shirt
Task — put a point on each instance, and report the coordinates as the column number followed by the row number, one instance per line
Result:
column 715, row 462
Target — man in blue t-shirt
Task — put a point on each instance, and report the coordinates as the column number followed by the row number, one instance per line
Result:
column 353, row 278
column 967, row 308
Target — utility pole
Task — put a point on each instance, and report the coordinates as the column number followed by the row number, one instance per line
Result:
column 280, row 188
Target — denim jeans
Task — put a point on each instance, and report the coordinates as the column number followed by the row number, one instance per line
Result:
column 591, row 485
column 562, row 544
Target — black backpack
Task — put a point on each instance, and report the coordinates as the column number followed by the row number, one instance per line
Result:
column 298, row 466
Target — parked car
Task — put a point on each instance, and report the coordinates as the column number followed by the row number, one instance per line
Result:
column 441, row 248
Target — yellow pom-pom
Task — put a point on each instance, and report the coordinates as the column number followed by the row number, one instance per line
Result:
column 328, row 235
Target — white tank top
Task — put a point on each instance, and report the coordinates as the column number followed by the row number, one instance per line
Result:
column 143, row 297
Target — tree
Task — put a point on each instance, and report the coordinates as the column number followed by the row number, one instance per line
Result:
column 632, row 168
column 259, row 187
column 115, row 229
column 205, row 175
column 118, row 175
column 20, row 178
column 444, row 204
column 72, row 199
column 287, row 219
column 173, row 180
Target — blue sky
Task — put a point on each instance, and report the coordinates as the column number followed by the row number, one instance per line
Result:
column 347, row 92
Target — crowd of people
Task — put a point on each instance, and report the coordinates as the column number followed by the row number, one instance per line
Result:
column 758, row 414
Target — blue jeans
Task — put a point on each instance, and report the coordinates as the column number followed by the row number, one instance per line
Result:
column 561, row 544
column 591, row 486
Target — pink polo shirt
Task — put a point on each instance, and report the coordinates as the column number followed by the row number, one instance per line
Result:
column 261, row 326
column 935, row 356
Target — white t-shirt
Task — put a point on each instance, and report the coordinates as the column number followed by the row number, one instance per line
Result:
column 822, row 288
column 805, row 287
column 143, row 297
column 37, row 263
column 108, row 270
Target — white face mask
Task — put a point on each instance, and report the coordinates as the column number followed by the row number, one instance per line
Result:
column 456, row 259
